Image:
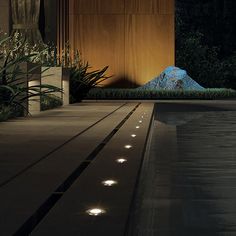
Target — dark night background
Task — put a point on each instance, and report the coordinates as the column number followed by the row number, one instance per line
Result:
column 206, row 41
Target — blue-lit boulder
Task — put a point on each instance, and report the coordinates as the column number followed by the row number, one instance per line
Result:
column 173, row 78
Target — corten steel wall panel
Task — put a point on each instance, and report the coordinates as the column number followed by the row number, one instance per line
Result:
column 142, row 6
column 134, row 37
column 99, row 6
column 101, row 41
column 63, row 24
column 167, row 7
column 149, row 46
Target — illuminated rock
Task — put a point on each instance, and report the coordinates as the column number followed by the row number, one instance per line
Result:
column 173, row 78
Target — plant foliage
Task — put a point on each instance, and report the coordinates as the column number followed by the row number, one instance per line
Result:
column 50, row 101
column 124, row 94
column 82, row 79
column 204, row 47
column 14, row 88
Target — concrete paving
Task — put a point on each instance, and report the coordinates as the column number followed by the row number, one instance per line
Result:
column 42, row 155
column 23, row 142
column 69, row 215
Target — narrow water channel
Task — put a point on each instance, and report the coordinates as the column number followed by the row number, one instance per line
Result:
column 187, row 185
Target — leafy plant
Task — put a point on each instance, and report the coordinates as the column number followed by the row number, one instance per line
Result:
column 50, row 101
column 198, row 52
column 67, row 59
column 14, row 88
column 82, row 79
column 5, row 113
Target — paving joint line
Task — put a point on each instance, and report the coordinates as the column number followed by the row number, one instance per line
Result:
column 51, row 201
column 57, row 148
column 134, row 194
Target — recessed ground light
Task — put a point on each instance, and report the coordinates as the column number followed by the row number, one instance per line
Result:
column 95, row 211
column 109, row 182
column 140, row 121
column 142, row 117
column 133, row 135
column 137, row 127
column 121, row 160
column 128, row 146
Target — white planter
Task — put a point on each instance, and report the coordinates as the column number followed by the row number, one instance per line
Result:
column 58, row 77
column 32, row 77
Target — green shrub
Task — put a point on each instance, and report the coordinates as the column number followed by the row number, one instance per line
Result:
column 203, row 61
column 5, row 113
column 123, row 94
column 50, row 101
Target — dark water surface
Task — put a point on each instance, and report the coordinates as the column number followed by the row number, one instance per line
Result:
column 188, row 180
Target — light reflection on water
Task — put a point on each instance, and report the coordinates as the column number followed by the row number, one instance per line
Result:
column 188, row 181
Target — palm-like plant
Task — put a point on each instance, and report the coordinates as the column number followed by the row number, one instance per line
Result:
column 82, row 79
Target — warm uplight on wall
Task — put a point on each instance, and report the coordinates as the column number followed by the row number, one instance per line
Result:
column 121, row 160
column 109, row 182
column 128, row 146
column 95, row 211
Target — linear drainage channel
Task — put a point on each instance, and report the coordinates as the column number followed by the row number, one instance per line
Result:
column 58, row 148
column 42, row 211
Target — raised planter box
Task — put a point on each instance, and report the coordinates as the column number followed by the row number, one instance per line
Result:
column 59, row 77
column 32, row 77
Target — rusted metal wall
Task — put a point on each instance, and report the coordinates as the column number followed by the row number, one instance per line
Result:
column 134, row 37
column 62, row 24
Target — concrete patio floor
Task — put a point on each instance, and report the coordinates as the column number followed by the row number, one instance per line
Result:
column 54, row 163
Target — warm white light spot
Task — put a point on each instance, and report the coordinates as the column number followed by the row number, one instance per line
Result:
column 140, row 121
column 142, row 117
column 95, row 211
column 133, row 135
column 128, row 146
column 121, row 160
column 137, row 127
column 109, row 182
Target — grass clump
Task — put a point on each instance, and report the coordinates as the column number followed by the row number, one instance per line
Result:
column 50, row 101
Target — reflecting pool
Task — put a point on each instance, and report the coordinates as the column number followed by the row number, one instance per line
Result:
column 187, row 185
